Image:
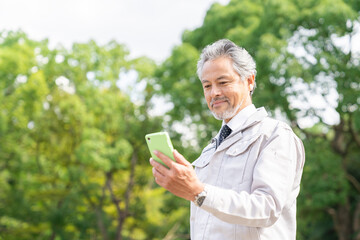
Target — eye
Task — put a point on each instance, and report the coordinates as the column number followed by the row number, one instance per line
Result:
column 207, row 86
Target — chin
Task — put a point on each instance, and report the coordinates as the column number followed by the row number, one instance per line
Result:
column 228, row 113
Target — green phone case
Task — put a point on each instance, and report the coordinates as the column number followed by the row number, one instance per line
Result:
column 161, row 142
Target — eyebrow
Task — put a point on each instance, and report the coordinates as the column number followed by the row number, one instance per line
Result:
column 221, row 77
column 205, row 81
column 217, row 79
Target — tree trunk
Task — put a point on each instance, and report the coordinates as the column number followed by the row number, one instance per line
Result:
column 341, row 217
column 356, row 225
column 125, row 213
column 100, row 223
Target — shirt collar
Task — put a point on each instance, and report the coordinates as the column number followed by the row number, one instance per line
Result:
column 240, row 118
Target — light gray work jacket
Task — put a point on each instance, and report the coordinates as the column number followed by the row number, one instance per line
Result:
column 252, row 181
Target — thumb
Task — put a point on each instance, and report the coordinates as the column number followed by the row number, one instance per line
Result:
column 180, row 158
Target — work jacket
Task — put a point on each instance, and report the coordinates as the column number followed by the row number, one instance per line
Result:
column 252, row 182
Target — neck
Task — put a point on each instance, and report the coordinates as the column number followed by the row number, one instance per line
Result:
column 242, row 106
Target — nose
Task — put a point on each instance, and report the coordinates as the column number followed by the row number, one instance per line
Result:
column 215, row 91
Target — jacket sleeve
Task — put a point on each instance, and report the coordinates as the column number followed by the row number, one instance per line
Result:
column 275, row 182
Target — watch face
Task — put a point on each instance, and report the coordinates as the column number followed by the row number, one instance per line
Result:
column 200, row 200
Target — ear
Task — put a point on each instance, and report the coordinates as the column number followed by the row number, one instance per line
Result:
column 251, row 82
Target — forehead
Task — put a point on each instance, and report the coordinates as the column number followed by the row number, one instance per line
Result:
column 217, row 67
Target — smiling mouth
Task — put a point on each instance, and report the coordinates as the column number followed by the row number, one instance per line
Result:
column 217, row 102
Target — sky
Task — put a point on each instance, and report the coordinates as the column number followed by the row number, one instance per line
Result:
column 147, row 27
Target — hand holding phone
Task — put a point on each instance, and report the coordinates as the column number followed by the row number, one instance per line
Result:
column 161, row 142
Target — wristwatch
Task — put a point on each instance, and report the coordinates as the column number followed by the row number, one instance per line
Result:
column 199, row 199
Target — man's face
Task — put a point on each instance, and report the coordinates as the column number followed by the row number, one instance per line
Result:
column 225, row 93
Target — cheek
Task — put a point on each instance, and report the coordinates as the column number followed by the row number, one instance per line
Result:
column 233, row 96
column 207, row 96
column 229, row 94
column 208, row 99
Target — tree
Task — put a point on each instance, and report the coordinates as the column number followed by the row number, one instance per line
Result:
column 73, row 159
column 307, row 72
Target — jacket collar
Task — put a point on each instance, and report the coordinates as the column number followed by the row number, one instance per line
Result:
column 240, row 118
column 255, row 118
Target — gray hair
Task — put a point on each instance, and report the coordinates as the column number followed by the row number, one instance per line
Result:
column 243, row 63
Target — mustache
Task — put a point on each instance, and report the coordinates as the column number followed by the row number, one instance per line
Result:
column 218, row 99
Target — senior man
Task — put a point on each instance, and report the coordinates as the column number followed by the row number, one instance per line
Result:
column 246, row 181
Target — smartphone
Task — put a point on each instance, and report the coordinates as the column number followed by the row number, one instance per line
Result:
column 161, row 142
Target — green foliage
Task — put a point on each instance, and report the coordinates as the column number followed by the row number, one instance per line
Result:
column 73, row 160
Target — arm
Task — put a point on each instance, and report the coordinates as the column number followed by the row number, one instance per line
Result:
column 274, row 185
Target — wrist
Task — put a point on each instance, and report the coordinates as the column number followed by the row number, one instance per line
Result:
column 200, row 198
column 199, row 188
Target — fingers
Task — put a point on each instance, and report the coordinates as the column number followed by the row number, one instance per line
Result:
column 166, row 160
column 180, row 158
column 157, row 171
column 169, row 162
column 158, row 166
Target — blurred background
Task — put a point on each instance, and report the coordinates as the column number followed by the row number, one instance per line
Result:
column 82, row 82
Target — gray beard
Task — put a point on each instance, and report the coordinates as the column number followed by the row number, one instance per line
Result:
column 228, row 113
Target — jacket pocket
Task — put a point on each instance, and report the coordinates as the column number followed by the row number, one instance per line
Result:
column 202, row 162
column 241, row 146
column 235, row 162
column 204, row 158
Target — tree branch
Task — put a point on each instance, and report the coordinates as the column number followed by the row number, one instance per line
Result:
column 338, row 142
column 341, row 220
column 131, row 182
column 308, row 134
column 123, row 214
column 96, row 208
column 115, row 200
column 353, row 132
column 172, row 232
column 353, row 180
